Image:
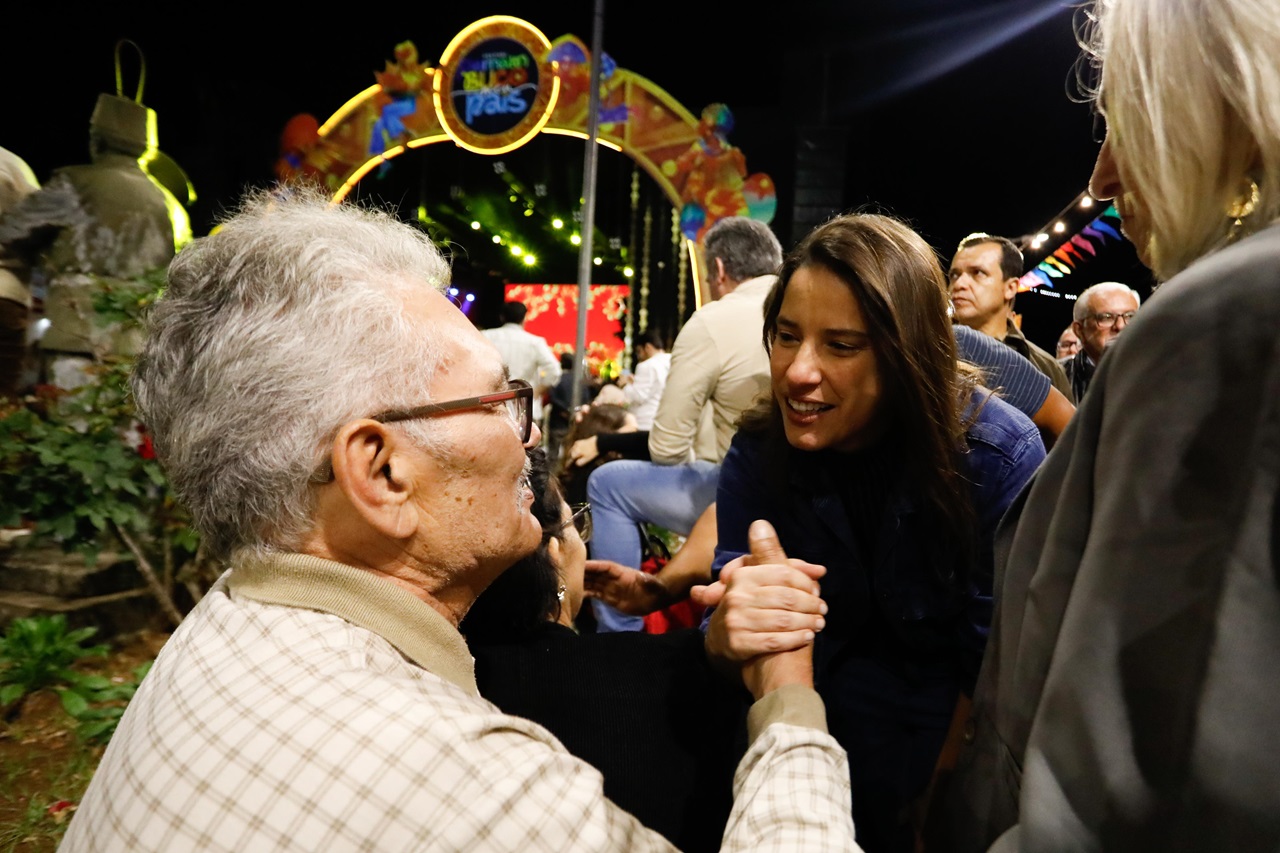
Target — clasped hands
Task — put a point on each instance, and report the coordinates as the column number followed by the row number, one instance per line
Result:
column 767, row 612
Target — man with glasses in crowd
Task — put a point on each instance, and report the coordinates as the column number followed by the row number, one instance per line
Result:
column 1100, row 314
column 1068, row 344
column 350, row 443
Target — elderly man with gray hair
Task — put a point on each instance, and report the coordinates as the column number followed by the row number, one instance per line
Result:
column 1100, row 314
column 351, row 444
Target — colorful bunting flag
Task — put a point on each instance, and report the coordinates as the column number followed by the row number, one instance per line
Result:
column 1070, row 254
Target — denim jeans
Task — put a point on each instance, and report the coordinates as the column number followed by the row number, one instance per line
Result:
column 628, row 492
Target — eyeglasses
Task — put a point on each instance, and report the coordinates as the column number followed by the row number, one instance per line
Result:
column 518, row 398
column 1106, row 320
column 581, row 521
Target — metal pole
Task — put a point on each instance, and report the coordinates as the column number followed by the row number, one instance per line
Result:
column 589, row 203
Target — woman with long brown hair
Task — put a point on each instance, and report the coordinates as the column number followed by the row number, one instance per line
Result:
column 880, row 457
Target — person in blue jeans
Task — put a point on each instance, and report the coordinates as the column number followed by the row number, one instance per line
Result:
column 718, row 371
column 880, row 457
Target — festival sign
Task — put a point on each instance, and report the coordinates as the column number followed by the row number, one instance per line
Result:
column 500, row 82
column 494, row 89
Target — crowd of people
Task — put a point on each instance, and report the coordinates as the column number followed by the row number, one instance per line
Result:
column 960, row 594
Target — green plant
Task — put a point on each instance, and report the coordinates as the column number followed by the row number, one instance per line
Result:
column 79, row 469
column 37, row 652
column 98, row 711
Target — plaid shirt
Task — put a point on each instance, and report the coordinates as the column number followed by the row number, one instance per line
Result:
column 309, row 706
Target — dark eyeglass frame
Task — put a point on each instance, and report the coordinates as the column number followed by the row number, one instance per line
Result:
column 1106, row 319
column 581, row 521
column 518, row 391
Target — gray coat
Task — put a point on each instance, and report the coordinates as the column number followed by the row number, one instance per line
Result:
column 1129, row 697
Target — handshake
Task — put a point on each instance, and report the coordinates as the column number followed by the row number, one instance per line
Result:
column 767, row 611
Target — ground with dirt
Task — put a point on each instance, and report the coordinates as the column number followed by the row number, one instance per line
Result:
column 44, row 766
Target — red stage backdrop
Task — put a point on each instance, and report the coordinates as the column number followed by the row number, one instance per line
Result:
column 553, row 314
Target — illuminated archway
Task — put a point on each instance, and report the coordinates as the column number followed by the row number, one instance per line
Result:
column 501, row 82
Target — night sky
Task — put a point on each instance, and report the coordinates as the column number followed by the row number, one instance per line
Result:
column 958, row 115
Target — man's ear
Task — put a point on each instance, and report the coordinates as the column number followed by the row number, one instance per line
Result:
column 1078, row 328
column 1010, row 289
column 373, row 469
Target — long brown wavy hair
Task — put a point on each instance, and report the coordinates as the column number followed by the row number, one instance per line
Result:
column 898, row 282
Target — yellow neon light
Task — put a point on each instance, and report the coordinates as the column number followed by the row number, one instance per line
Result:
column 346, row 108
column 427, row 140
column 368, row 166
column 695, row 265
column 577, row 134
column 374, row 162
column 484, row 22
column 437, row 82
column 502, row 149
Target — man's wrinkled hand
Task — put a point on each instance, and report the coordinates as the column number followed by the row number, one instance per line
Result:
column 767, row 613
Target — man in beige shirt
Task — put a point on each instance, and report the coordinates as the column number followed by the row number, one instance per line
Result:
column 719, row 369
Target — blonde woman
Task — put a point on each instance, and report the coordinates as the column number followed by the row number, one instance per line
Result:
column 1128, row 697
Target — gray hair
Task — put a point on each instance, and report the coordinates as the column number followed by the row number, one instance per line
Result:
column 747, row 246
column 1192, row 93
column 1081, row 309
column 285, row 323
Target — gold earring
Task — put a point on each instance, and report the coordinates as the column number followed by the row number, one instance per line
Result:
column 1243, row 206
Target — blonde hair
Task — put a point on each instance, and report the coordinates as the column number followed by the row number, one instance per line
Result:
column 1191, row 91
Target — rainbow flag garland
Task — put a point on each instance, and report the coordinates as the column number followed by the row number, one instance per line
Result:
column 1074, row 251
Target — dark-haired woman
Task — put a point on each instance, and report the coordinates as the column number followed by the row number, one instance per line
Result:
column 881, row 458
column 646, row 710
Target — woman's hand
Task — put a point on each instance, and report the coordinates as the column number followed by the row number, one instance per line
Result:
column 767, row 612
column 583, row 451
column 625, row 589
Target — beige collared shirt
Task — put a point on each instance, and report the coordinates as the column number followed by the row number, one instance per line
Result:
column 305, row 705
column 719, row 369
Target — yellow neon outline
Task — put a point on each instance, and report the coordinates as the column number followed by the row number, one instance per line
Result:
column 359, row 173
column 426, row 140
column 348, row 107
column 373, row 162
column 437, row 82
column 577, row 134
column 484, row 22
column 695, row 267
column 501, row 149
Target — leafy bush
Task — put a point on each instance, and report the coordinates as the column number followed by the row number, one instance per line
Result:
column 80, row 471
column 36, row 653
column 98, row 707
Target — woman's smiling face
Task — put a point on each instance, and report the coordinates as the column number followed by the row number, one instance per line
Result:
column 824, row 370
